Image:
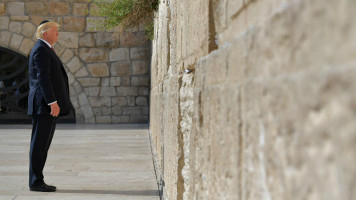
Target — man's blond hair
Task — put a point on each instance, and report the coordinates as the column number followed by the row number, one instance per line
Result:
column 45, row 27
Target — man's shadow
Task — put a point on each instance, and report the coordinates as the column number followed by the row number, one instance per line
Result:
column 120, row 192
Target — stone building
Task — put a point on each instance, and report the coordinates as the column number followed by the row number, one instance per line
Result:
column 109, row 78
column 254, row 99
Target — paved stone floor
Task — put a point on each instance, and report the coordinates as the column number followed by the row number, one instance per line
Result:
column 85, row 162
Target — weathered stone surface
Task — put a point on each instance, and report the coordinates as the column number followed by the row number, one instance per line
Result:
column 131, row 101
column 16, row 41
column 93, row 55
column 139, row 53
column 79, row 9
column 100, row 101
column 107, row 91
column 139, row 67
column 75, row 24
column 15, row 27
column 83, row 100
column 2, row 9
column 119, row 101
column 69, row 39
column 105, row 39
column 89, row 82
column 58, row 8
column 117, row 110
column 19, row 18
column 28, row 29
column 120, row 68
column 103, row 119
column 74, row 64
column 120, row 119
column 115, row 81
column 36, row 20
column 67, row 55
column 82, row 72
column 138, row 118
column 26, row 46
column 15, row 8
column 133, row 39
column 127, row 91
column 119, row 54
column 105, row 82
column 106, row 111
column 4, row 23
column 59, row 49
column 77, row 87
column 98, row 69
column 131, row 110
column 5, row 38
column 36, row 8
column 143, row 91
column 140, row 81
column 87, row 40
column 141, row 101
column 92, row 91
column 125, row 81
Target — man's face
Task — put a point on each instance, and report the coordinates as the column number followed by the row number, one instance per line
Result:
column 51, row 35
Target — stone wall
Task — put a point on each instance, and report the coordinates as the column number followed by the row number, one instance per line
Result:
column 108, row 77
column 254, row 99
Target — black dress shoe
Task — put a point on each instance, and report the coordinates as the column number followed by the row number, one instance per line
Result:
column 51, row 186
column 43, row 188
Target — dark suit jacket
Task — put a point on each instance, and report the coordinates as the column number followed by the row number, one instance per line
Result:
column 48, row 81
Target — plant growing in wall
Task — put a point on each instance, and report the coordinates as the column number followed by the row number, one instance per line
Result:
column 125, row 14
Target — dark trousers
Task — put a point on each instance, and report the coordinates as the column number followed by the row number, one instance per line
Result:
column 43, row 127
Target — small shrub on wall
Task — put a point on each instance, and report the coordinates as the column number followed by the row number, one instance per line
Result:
column 125, row 14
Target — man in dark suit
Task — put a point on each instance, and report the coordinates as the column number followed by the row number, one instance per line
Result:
column 48, row 98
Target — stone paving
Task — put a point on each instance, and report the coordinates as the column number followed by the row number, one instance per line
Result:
column 106, row 162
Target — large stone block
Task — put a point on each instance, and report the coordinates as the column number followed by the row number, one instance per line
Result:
column 119, row 101
column 92, row 91
column 141, row 101
column 67, row 55
column 15, row 27
column 119, row 54
column 76, row 24
column 139, row 119
column 98, row 69
column 103, row 119
column 120, row 119
column 5, row 38
column 28, row 29
column 74, row 64
column 80, row 9
column 90, row 55
column 15, row 8
column 127, row 91
column 16, row 41
column 4, row 23
column 36, row 8
column 120, row 68
column 133, row 39
column 26, row 46
column 87, row 40
column 100, row 101
column 131, row 110
column 58, row 8
column 140, row 81
column 139, row 67
column 2, row 9
column 139, row 53
column 105, row 39
column 82, row 72
column 89, row 82
column 69, row 39
column 115, row 81
column 108, row 91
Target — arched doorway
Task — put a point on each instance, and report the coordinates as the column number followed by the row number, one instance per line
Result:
column 14, row 89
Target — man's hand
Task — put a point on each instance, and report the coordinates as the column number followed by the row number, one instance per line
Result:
column 55, row 109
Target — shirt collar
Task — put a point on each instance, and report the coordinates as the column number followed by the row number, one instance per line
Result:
column 46, row 42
